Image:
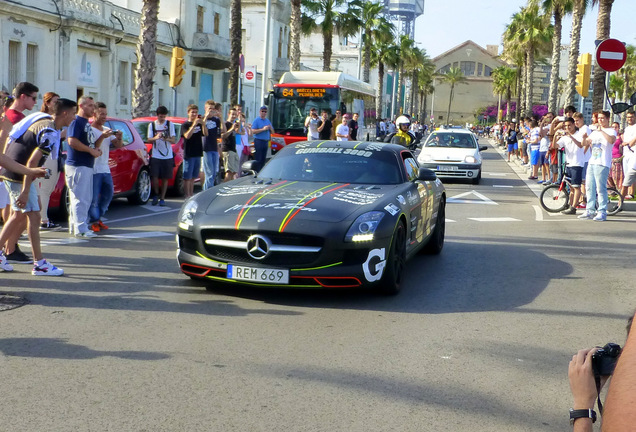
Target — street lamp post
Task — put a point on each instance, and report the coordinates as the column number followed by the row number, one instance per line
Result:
column 266, row 59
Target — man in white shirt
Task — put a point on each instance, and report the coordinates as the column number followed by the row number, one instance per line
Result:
column 382, row 128
column 342, row 131
column 162, row 135
column 102, row 179
column 629, row 156
column 571, row 141
column 600, row 144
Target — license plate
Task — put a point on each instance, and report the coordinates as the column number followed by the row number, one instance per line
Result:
column 255, row 274
column 446, row 168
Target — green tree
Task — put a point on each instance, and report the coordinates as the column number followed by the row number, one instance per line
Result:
column 578, row 12
column 452, row 77
column 384, row 54
column 504, row 79
column 146, row 59
column 295, row 33
column 628, row 71
column 236, row 35
column 602, row 33
column 328, row 17
column 419, row 66
column 515, row 54
column 374, row 25
column 406, row 51
column 616, row 86
column 558, row 9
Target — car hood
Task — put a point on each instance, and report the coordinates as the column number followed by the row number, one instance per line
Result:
column 252, row 201
column 445, row 154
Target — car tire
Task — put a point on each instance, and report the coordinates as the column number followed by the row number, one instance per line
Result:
column 63, row 210
column 391, row 283
column 142, row 190
column 436, row 241
column 178, row 186
column 477, row 179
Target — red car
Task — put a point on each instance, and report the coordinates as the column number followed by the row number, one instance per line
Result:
column 141, row 124
column 131, row 176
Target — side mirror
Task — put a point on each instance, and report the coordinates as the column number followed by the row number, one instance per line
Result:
column 426, row 174
column 250, row 166
column 482, row 148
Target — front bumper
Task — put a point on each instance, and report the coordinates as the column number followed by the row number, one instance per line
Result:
column 453, row 170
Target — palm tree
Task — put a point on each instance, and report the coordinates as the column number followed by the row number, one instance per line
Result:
column 384, row 54
column 374, row 24
column 558, row 8
column 453, row 77
column 515, row 54
column 504, row 79
column 406, row 51
column 326, row 16
column 425, row 88
column 419, row 64
column 602, row 33
column 628, row 71
column 235, row 49
column 616, row 87
column 146, row 59
column 295, row 33
column 578, row 11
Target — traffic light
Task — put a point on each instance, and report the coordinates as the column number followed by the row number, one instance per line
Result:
column 177, row 66
column 583, row 74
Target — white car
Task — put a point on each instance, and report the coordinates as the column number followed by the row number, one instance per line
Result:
column 452, row 153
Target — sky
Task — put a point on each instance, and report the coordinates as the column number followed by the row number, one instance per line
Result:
column 448, row 23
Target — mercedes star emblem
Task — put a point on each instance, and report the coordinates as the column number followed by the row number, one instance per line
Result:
column 258, row 246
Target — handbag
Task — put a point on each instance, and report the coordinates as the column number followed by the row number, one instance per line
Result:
column 247, row 150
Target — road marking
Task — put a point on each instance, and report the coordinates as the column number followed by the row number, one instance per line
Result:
column 538, row 214
column 62, row 241
column 154, row 209
column 482, row 199
column 449, row 220
column 502, row 186
column 497, row 174
column 141, row 216
column 500, row 219
column 138, row 235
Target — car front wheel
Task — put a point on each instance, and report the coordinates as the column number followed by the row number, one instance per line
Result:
column 396, row 262
column 143, row 188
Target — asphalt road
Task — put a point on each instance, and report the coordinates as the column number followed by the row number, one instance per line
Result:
column 479, row 339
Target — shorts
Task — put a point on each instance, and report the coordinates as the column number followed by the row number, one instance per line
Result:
column 4, row 197
column 630, row 178
column 231, row 161
column 544, row 158
column 191, row 167
column 513, row 147
column 522, row 147
column 15, row 189
column 576, row 175
column 161, row 168
column 534, row 156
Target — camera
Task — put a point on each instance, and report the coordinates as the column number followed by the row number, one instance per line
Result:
column 47, row 174
column 604, row 360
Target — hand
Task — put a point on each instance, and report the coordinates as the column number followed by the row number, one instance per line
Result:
column 95, row 152
column 37, row 172
column 22, row 199
column 582, row 383
column 158, row 135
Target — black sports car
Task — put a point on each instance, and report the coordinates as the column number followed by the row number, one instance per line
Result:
column 330, row 214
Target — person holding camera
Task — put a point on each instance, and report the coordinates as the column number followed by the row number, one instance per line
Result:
column 193, row 132
column 162, row 135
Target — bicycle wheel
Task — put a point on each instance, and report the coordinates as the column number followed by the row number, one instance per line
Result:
column 615, row 201
column 554, row 200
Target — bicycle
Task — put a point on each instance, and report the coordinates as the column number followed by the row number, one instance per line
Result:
column 556, row 197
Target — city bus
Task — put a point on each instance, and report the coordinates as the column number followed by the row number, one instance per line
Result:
column 297, row 92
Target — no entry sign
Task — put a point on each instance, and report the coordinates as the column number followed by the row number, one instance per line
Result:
column 250, row 74
column 611, row 55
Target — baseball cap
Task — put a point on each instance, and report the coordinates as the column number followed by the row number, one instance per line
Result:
column 264, row 107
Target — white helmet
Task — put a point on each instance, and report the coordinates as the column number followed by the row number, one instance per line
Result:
column 402, row 120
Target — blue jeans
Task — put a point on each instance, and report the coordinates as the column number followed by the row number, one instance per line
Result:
column 596, row 185
column 102, row 196
column 210, row 168
column 260, row 151
column 191, row 167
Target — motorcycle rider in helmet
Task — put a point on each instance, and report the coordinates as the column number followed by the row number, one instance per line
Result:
column 403, row 136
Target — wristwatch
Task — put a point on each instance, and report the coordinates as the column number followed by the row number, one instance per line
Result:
column 582, row 413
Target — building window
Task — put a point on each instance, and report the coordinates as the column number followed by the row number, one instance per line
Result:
column 31, row 63
column 467, row 68
column 123, row 83
column 444, row 69
column 456, row 64
column 217, row 23
column 200, row 14
column 480, row 69
column 14, row 63
column 280, row 42
column 487, row 71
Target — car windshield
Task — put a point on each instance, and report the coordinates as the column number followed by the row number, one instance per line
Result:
column 142, row 128
column 333, row 165
column 291, row 106
column 450, row 140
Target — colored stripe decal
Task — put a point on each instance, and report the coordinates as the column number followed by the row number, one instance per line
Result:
column 283, row 226
column 318, row 268
column 262, row 193
column 321, row 144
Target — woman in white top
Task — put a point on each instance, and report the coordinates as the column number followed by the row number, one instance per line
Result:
column 599, row 143
column 312, row 123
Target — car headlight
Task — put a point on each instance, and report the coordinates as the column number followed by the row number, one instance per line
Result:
column 470, row 159
column 186, row 215
column 363, row 228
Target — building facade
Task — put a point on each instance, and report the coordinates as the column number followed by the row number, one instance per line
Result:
column 477, row 65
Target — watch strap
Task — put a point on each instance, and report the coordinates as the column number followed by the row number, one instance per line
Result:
column 582, row 413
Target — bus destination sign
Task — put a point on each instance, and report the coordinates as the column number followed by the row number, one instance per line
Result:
column 309, row 92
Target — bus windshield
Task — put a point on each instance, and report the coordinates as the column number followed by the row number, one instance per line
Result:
column 292, row 104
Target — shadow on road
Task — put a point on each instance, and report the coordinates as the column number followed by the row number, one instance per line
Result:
column 60, row 349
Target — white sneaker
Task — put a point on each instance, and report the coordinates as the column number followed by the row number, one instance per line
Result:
column 4, row 265
column 586, row 215
column 87, row 234
column 600, row 217
column 46, row 269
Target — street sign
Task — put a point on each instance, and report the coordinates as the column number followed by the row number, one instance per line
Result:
column 611, row 55
column 250, row 74
column 242, row 62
